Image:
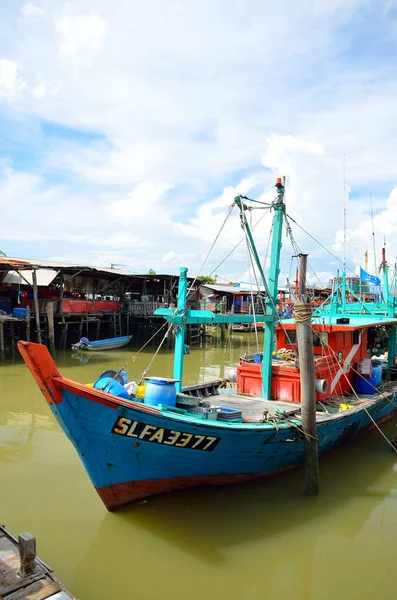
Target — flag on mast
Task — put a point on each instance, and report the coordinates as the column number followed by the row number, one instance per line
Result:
column 367, row 278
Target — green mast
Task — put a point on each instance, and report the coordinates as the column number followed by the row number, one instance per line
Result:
column 180, row 329
column 389, row 301
column 272, row 285
column 271, row 300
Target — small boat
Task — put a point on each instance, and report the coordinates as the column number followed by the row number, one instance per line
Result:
column 107, row 344
column 178, row 437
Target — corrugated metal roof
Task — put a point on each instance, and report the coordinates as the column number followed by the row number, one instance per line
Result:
column 21, row 264
column 25, row 263
column 230, row 289
column 44, row 277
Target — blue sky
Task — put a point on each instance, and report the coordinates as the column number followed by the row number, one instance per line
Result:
column 125, row 134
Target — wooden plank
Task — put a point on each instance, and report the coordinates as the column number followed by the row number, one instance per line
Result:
column 38, row 590
column 9, row 561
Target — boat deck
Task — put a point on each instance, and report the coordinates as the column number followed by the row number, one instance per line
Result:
column 253, row 408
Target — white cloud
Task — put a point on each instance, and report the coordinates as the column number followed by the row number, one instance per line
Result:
column 32, row 11
column 186, row 97
column 80, row 36
column 44, row 88
column 11, row 84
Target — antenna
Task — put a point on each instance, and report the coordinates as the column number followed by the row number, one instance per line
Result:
column 344, row 210
column 373, row 231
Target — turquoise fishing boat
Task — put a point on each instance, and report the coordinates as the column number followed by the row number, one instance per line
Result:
column 177, row 437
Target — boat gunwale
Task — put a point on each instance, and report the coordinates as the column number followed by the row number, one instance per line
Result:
column 114, row 402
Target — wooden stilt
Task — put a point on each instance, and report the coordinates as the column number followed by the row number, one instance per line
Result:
column 12, row 332
column 64, row 336
column 98, row 327
column 2, row 347
column 36, row 306
column 61, row 289
column 28, row 328
column 51, row 330
column 304, row 334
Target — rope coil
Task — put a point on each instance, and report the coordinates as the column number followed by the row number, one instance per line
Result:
column 302, row 312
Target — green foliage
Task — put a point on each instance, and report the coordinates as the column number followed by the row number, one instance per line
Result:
column 151, row 272
column 206, row 279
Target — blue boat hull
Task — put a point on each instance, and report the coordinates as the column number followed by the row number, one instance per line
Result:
column 132, row 451
column 107, row 344
column 130, row 454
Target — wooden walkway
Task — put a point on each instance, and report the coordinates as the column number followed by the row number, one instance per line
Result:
column 23, row 576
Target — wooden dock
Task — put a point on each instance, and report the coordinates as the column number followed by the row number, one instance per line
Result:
column 23, row 576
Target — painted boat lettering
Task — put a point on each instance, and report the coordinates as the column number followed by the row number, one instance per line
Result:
column 161, row 435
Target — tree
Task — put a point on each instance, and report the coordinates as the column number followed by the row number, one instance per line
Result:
column 206, row 278
column 151, row 272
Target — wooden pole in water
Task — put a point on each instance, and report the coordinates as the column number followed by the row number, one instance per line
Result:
column 2, row 347
column 36, row 305
column 304, row 335
column 28, row 328
column 12, row 335
column 27, row 553
column 51, row 330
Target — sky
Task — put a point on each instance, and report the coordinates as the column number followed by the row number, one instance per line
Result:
column 127, row 128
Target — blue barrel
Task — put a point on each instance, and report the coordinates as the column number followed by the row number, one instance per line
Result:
column 160, row 391
column 111, row 386
column 258, row 358
column 365, row 385
column 377, row 371
column 120, row 376
column 19, row 312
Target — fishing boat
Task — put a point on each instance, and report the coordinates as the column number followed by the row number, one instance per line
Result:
column 98, row 345
column 179, row 436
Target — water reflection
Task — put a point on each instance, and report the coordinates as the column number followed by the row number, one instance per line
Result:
column 253, row 541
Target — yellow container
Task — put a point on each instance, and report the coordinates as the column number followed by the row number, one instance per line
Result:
column 140, row 391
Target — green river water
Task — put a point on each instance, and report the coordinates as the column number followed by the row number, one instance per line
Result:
column 264, row 540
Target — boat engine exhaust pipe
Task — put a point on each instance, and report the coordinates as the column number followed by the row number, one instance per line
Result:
column 321, row 386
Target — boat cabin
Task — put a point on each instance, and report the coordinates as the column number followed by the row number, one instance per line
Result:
column 339, row 348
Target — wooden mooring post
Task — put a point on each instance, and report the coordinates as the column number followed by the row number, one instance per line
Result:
column 304, row 334
column 27, row 554
column 2, row 346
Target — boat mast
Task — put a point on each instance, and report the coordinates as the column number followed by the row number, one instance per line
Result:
column 271, row 300
column 271, row 285
column 180, row 329
column 390, row 306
